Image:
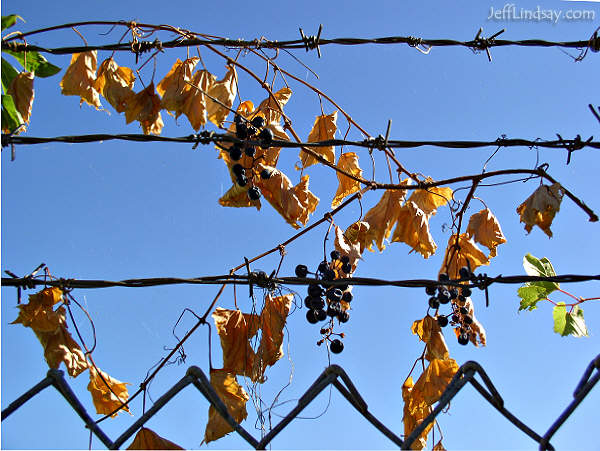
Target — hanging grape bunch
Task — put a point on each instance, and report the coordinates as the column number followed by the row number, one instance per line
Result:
column 253, row 130
column 327, row 302
column 460, row 317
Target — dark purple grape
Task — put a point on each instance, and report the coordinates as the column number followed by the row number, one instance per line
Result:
column 266, row 138
column 258, row 122
column 311, row 317
column 442, row 321
column 333, row 309
column 430, row 290
column 464, row 273
column 301, row 271
column 335, row 294
column 336, row 346
column 241, row 130
column 347, row 296
column 444, row 296
column 345, row 259
column 466, row 292
column 335, row 255
column 315, row 290
column 323, row 266
column 347, row 268
column 443, row 277
column 254, row 193
column 320, row 314
column 463, row 339
column 434, row 302
column 463, row 310
column 266, row 174
column 467, row 319
column 343, row 316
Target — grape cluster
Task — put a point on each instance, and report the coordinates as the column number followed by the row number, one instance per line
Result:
column 253, row 130
column 460, row 317
column 327, row 302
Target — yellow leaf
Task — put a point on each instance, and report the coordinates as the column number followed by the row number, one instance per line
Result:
column 428, row 200
column 347, row 248
column 237, row 196
column 382, row 217
column 145, row 108
column 148, row 439
column 115, row 84
column 233, row 396
column 439, row 446
column 413, row 229
column 272, row 321
column 434, row 380
column 347, row 162
column 269, row 107
column 429, row 331
column 174, row 88
column 235, row 330
column 413, row 417
column 224, row 91
column 357, row 233
column 540, row 208
column 459, row 253
column 38, row 313
column 21, row 90
column 323, row 129
column 195, row 102
column 485, row 229
column 107, row 393
column 294, row 203
column 80, row 77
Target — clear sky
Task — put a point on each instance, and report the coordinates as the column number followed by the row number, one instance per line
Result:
column 118, row 210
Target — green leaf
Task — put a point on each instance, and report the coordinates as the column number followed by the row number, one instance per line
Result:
column 9, row 21
column 532, row 292
column 11, row 118
column 8, row 75
column 36, row 63
column 569, row 323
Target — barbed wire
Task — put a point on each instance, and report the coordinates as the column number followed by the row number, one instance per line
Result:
column 570, row 145
column 188, row 39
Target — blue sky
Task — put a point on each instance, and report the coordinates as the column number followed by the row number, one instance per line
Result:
column 119, row 210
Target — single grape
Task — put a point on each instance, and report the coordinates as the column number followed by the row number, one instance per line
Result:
column 329, row 274
column 241, row 130
column 323, row 266
column 258, row 122
column 443, row 277
column 463, row 339
column 345, row 259
column 315, row 290
column 347, row 296
column 444, row 296
column 430, row 290
column 254, row 193
column 266, row 138
column 336, row 346
column 463, row 310
column 343, row 316
column 241, row 180
column 320, row 314
column 335, row 255
column 347, row 268
column 317, row 303
column 464, row 272
column 266, row 174
column 466, row 292
column 434, row 302
column 250, row 151
column 301, row 271
column 311, row 317
column 235, row 153
column 453, row 293
column 442, row 321
column 237, row 169
column 333, row 309
column 467, row 319
column 335, row 294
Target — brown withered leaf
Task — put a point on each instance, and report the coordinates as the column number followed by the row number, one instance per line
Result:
column 382, row 217
column 323, row 129
column 271, row 107
column 233, row 396
column 194, row 106
column 459, row 253
column 224, row 91
column 413, row 417
column 237, row 196
column 38, row 313
column 428, row 200
column 272, row 321
column 434, row 380
column 145, row 108
column 439, row 446
column 540, row 208
column 148, row 439
column 412, row 228
column 428, row 330
column 80, row 77
column 235, row 330
column 347, row 162
column 485, row 229
column 115, row 83
column 347, row 248
column 357, row 233
column 294, row 203
column 107, row 393
column 174, row 87
column 21, row 90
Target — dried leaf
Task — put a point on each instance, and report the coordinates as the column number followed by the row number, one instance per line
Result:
column 429, row 331
column 540, row 208
column 434, row 380
column 237, row 196
column 413, row 229
column 148, row 439
column 195, row 103
column 272, row 321
column 294, row 203
column 439, row 446
column 271, row 107
column 80, row 77
column 224, row 91
column 174, row 88
column 357, row 233
column 21, row 90
column 235, row 330
column 347, row 162
column 413, row 417
column 233, row 396
column 38, row 313
column 145, row 108
column 428, row 200
column 485, row 229
column 323, row 129
column 115, row 84
column 347, row 248
column 107, row 393
column 382, row 217
column 459, row 253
